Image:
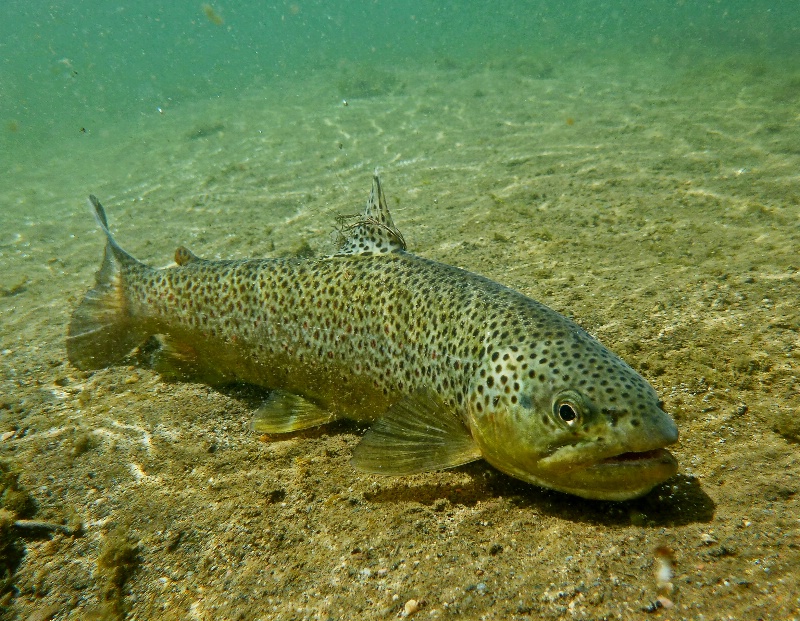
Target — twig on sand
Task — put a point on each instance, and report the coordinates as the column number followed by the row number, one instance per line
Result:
column 37, row 527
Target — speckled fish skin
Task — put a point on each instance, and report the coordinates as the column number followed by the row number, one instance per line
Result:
column 453, row 366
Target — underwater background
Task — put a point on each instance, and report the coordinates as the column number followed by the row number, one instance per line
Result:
column 633, row 165
column 99, row 68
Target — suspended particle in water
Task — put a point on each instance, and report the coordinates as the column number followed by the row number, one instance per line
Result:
column 214, row 17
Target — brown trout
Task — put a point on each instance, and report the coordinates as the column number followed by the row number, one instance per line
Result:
column 451, row 366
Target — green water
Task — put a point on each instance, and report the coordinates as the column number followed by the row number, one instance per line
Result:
column 88, row 87
column 70, row 67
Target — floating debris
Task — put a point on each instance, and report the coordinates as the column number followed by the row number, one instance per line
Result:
column 214, row 17
column 665, row 570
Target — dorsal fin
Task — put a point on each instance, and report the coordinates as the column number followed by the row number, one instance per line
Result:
column 373, row 232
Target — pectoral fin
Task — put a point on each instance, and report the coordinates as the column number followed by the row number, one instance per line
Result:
column 418, row 434
column 284, row 412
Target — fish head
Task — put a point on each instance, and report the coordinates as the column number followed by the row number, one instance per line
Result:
column 570, row 415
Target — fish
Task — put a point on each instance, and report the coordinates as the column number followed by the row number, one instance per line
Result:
column 446, row 366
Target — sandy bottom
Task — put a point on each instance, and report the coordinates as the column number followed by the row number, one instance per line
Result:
column 659, row 206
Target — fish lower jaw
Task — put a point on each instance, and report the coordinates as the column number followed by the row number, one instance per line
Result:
column 618, row 477
column 626, row 475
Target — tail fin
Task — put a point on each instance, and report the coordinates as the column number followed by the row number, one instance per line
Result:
column 102, row 331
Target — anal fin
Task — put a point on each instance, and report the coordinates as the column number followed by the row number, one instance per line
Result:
column 284, row 412
column 418, row 434
column 176, row 361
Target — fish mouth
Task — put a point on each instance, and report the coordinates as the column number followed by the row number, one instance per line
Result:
column 638, row 458
column 626, row 475
column 568, row 459
column 622, row 476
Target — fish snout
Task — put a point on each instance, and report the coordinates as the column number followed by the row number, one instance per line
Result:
column 670, row 431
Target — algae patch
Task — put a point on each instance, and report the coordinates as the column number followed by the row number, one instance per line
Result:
column 13, row 497
column 15, row 502
column 118, row 559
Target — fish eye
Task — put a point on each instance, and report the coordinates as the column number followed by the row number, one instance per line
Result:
column 567, row 413
column 568, row 408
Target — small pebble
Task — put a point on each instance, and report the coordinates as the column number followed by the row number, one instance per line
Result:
column 707, row 539
column 665, row 602
column 411, row 607
column 7, row 435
